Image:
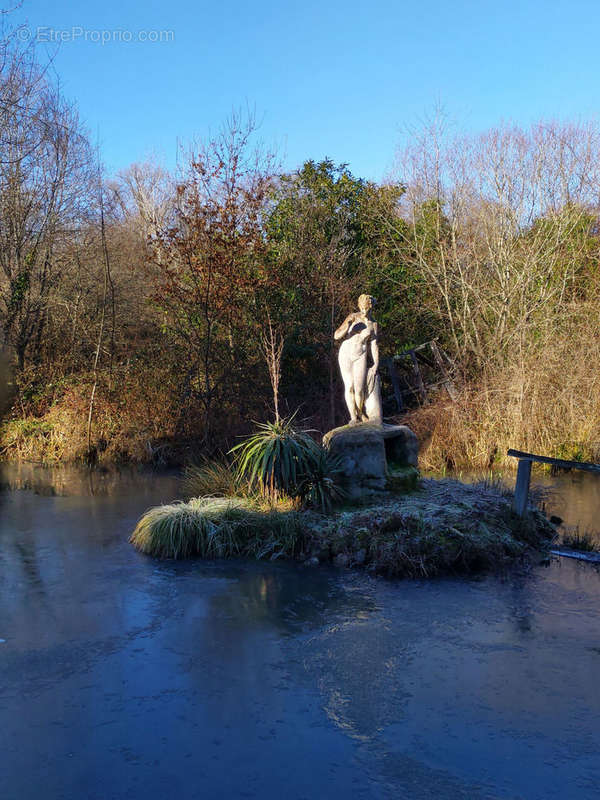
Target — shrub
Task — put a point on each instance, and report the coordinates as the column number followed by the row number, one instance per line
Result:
column 276, row 458
column 281, row 460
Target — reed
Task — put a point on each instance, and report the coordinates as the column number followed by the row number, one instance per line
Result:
column 216, row 477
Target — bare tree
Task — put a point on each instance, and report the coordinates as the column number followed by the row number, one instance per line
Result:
column 272, row 342
column 44, row 190
column 147, row 192
column 499, row 230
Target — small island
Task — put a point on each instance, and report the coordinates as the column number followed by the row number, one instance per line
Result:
column 356, row 500
column 440, row 527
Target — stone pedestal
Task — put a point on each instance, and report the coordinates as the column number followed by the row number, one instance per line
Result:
column 375, row 457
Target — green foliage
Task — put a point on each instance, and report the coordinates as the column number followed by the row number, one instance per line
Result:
column 217, row 528
column 29, row 426
column 31, row 439
column 276, row 457
column 327, row 244
column 402, row 478
column 18, row 289
column 319, row 488
column 281, row 460
column 327, row 225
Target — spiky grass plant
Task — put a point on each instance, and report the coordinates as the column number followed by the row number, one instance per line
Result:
column 319, row 488
column 276, row 458
column 217, row 528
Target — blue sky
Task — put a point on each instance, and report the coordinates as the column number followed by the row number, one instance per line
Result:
column 328, row 78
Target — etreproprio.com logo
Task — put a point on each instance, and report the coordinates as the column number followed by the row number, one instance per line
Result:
column 95, row 35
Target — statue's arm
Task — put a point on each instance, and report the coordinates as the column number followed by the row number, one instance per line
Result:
column 372, row 373
column 344, row 327
column 375, row 347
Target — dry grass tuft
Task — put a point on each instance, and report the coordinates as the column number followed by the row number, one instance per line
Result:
column 550, row 406
column 217, row 528
column 214, row 478
column 582, row 541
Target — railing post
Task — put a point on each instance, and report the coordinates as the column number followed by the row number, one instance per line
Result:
column 522, row 486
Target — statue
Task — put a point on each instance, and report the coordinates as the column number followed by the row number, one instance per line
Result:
column 362, row 384
column 374, row 457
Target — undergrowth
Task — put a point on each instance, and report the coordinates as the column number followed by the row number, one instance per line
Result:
column 550, row 405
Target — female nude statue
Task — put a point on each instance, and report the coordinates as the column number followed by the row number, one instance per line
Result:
column 361, row 381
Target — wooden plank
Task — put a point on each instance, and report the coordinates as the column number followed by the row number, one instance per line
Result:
column 593, row 557
column 395, row 385
column 427, row 361
column 438, row 358
column 522, row 486
column 419, row 377
column 416, row 349
column 409, row 360
column 558, row 462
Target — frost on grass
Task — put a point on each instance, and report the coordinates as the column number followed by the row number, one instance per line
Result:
column 442, row 527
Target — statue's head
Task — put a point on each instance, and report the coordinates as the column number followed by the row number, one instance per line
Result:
column 366, row 303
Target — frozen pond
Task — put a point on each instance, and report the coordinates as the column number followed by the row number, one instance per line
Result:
column 122, row 677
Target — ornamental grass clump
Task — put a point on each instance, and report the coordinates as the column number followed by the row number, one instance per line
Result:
column 214, row 478
column 217, row 528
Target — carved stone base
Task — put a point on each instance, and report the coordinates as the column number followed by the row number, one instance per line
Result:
column 375, row 457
